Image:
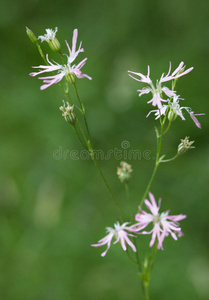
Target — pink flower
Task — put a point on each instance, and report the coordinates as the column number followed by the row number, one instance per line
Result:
column 159, row 89
column 163, row 223
column 176, row 110
column 121, row 235
column 63, row 70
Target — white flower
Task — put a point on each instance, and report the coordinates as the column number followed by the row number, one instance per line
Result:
column 121, row 235
column 176, row 110
column 50, row 35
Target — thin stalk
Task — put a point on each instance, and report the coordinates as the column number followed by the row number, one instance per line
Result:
column 108, row 188
column 83, row 113
column 83, row 134
column 80, row 140
column 131, row 259
column 170, row 159
column 157, row 160
column 146, row 290
column 149, row 184
column 137, row 256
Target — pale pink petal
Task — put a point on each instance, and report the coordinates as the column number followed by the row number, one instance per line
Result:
column 144, row 91
column 197, row 123
column 156, row 100
column 177, row 217
column 53, row 80
column 178, row 68
column 168, row 92
column 156, row 111
column 144, row 78
column 130, row 243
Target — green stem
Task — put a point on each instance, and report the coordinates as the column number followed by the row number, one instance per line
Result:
column 41, row 53
column 170, row 159
column 77, row 120
column 131, row 259
column 81, row 142
column 137, row 256
column 83, row 134
column 157, row 160
column 108, row 188
column 83, row 113
column 146, row 290
column 149, row 184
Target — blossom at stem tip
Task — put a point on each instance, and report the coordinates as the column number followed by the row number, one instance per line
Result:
column 163, row 223
column 121, row 234
column 67, row 70
column 159, row 89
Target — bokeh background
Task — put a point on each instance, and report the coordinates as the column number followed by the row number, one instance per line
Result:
column 52, row 207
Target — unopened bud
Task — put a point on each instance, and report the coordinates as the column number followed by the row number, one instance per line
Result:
column 185, row 145
column 55, row 45
column 31, row 35
column 68, row 113
column 172, row 115
column 124, row 172
column 70, row 77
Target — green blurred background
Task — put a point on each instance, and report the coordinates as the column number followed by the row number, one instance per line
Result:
column 52, row 208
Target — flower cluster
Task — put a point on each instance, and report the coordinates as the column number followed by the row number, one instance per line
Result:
column 185, row 145
column 68, row 113
column 176, row 110
column 163, row 225
column 124, row 172
column 69, row 71
column 157, row 91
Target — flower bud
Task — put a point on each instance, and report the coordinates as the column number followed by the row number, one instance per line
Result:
column 70, row 77
column 68, row 113
column 172, row 115
column 54, row 45
column 185, row 145
column 31, row 35
column 124, row 173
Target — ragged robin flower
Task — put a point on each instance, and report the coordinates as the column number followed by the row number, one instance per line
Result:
column 176, row 110
column 69, row 71
column 163, row 224
column 121, row 234
column 159, row 89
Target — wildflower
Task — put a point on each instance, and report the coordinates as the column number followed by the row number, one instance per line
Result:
column 50, row 38
column 50, row 35
column 185, row 145
column 124, row 173
column 163, row 223
column 159, row 89
column 68, row 113
column 67, row 70
column 176, row 110
column 121, row 235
